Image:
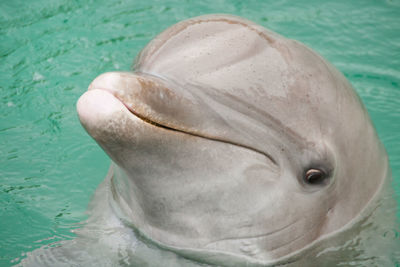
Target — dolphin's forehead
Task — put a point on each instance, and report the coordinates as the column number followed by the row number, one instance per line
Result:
column 220, row 52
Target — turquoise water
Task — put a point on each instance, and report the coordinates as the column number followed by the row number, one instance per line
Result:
column 50, row 51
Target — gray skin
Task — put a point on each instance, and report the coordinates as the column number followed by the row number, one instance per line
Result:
column 211, row 137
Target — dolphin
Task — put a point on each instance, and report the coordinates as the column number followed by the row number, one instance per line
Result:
column 233, row 145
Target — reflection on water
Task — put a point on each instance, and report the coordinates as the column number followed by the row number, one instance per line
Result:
column 51, row 50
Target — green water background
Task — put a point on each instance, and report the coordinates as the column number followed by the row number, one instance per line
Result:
column 51, row 50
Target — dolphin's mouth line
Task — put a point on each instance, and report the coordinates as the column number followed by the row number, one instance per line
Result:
column 156, row 124
column 175, row 129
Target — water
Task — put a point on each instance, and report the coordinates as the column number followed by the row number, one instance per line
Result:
column 51, row 50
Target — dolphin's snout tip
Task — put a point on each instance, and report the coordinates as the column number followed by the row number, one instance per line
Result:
column 96, row 105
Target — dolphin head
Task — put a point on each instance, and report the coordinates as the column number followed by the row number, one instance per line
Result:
column 227, row 137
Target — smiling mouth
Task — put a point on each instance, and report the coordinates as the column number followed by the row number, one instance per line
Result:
column 169, row 128
column 138, row 93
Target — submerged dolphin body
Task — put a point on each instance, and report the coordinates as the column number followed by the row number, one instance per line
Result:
column 231, row 144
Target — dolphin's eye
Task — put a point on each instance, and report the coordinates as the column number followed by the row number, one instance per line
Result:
column 315, row 176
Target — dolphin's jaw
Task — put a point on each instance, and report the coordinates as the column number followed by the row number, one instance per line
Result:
column 248, row 237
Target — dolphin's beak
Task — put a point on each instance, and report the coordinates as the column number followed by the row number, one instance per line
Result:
column 145, row 96
column 163, row 104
